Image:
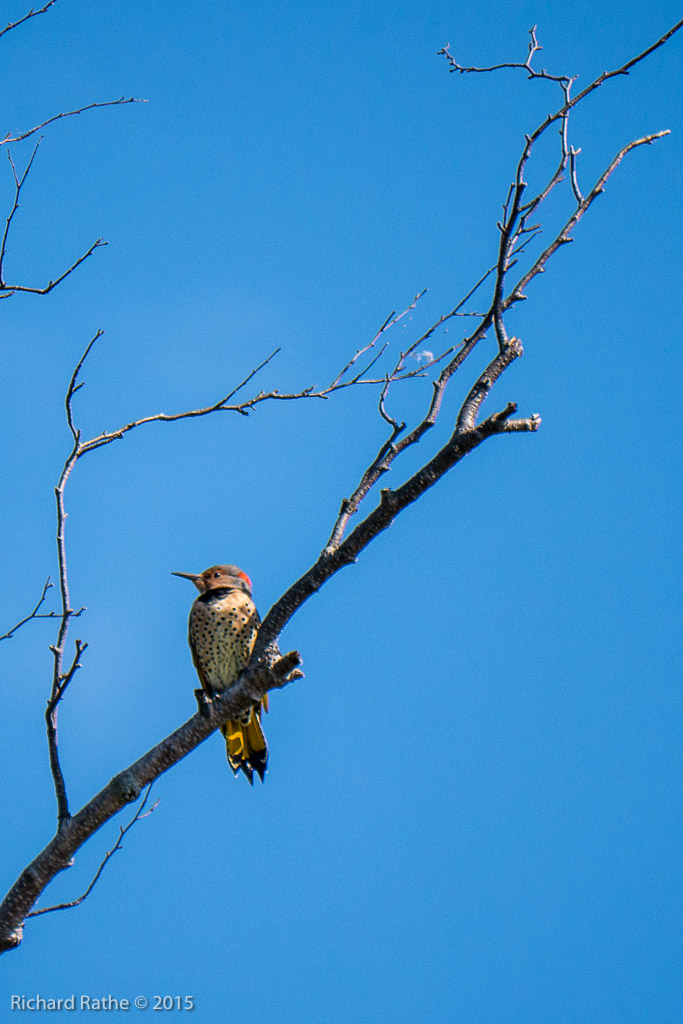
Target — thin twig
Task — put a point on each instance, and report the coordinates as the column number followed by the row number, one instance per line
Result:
column 10, row 289
column 31, row 14
column 573, row 153
column 390, row 321
column 67, row 676
column 18, row 184
column 252, row 374
column 68, row 113
column 123, row 830
column 533, row 48
column 35, row 614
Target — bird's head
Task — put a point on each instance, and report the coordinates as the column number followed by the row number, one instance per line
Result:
column 218, row 577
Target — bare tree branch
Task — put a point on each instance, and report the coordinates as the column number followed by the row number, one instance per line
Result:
column 224, row 404
column 534, row 48
column 123, row 830
column 517, row 212
column 67, row 113
column 625, row 68
column 31, row 14
column 35, row 614
column 392, row 319
column 10, row 289
column 18, row 184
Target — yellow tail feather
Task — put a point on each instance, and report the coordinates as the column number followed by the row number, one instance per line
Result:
column 246, row 745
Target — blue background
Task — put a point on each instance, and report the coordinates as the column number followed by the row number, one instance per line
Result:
column 472, row 807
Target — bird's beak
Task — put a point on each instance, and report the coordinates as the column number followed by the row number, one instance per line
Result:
column 187, row 576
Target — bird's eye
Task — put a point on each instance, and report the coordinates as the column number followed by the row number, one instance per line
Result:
column 216, row 575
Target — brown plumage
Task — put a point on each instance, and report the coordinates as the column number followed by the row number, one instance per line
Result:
column 222, row 632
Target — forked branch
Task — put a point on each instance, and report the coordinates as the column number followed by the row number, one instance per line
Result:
column 10, row 289
column 583, row 205
column 123, row 831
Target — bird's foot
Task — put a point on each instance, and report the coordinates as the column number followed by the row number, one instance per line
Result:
column 204, row 702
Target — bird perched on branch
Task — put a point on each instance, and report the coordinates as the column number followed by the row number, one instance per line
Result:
column 222, row 632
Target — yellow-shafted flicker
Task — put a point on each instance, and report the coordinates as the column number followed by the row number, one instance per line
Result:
column 222, row 632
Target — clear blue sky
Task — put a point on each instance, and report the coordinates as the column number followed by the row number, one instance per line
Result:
column 472, row 811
